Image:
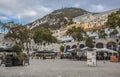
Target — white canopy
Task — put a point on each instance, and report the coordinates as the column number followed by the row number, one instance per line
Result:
column 84, row 48
column 87, row 48
column 100, row 49
column 105, row 49
column 3, row 46
column 71, row 49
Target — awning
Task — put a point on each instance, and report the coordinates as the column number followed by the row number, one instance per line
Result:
column 87, row 48
column 106, row 50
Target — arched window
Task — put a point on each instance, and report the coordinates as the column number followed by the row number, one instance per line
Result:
column 68, row 47
column 99, row 45
column 82, row 45
column 112, row 45
column 74, row 46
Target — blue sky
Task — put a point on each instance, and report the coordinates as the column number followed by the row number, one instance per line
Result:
column 25, row 11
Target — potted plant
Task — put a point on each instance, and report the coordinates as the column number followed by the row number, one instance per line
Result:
column 20, row 58
column 18, row 55
column 61, row 51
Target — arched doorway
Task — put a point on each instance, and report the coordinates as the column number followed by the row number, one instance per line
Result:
column 118, row 48
column 82, row 46
column 112, row 45
column 68, row 47
column 99, row 45
column 74, row 46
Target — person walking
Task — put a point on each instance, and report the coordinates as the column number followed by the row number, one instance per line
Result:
column 3, row 59
column 26, row 59
column 105, row 56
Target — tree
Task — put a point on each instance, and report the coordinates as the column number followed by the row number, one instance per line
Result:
column 42, row 35
column 53, row 40
column 76, row 33
column 1, row 24
column 20, row 34
column 114, row 19
column 6, row 26
column 16, row 48
column 101, row 33
column 70, row 22
column 61, row 48
column 114, row 32
column 89, row 42
column 37, row 37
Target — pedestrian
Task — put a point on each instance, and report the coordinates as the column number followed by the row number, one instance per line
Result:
column 80, row 55
column 26, row 59
column 3, row 59
column 105, row 56
column 73, row 52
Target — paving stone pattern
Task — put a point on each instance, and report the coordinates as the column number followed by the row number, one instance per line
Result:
column 61, row 68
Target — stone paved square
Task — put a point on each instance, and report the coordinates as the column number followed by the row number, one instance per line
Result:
column 61, row 68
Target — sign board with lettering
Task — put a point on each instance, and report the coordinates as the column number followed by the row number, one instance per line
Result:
column 91, row 58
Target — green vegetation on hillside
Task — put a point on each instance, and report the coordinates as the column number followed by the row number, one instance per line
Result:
column 70, row 12
column 114, row 19
column 60, row 18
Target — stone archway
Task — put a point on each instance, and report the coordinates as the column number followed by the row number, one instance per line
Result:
column 68, row 46
column 112, row 45
column 99, row 45
column 81, row 46
column 74, row 46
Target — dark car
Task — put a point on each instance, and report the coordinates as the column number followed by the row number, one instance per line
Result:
column 46, row 54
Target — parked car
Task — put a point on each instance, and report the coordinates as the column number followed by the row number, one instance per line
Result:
column 45, row 54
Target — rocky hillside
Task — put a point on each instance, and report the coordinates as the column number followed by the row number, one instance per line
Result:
column 58, row 18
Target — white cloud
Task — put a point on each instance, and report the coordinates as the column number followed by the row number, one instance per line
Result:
column 30, row 10
column 31, row 13
column 3, row 18
column 77, row 5
column 25, row 10
column 97, row 8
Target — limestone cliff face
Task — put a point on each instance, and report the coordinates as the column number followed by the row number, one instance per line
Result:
column 62, row 17
column 58, row 18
